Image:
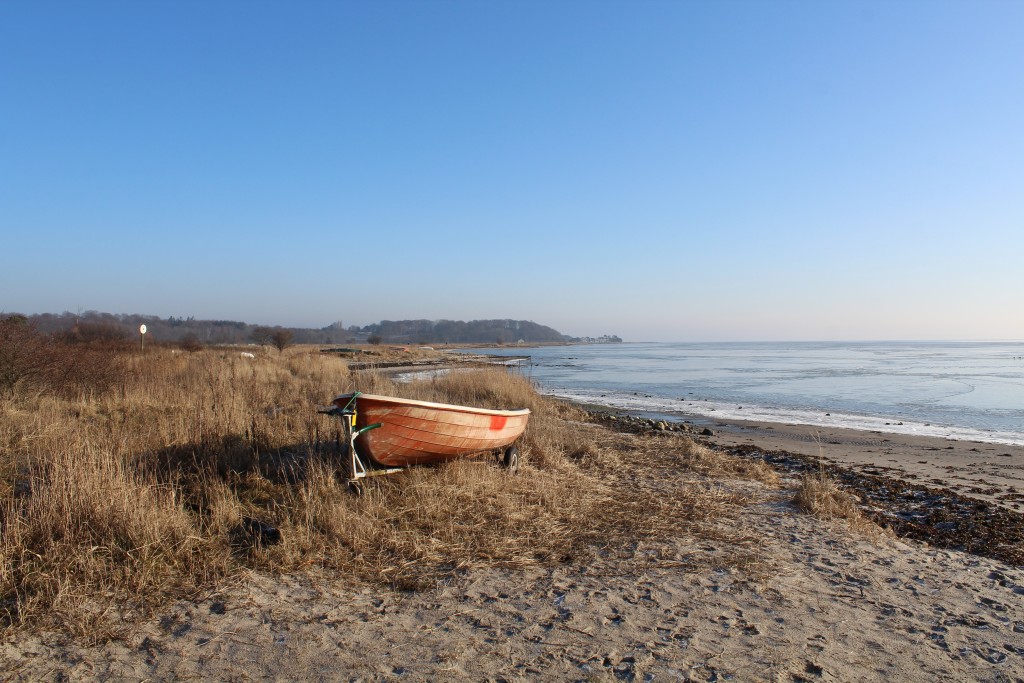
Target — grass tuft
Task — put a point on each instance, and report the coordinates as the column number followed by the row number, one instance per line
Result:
column 820, row 495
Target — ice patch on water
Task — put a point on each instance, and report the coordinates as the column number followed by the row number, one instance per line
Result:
column 411, row 376
column 406, row 377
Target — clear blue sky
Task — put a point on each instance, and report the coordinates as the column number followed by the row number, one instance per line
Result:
column 659, row 170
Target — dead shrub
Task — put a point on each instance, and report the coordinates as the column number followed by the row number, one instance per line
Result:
column 818, row 494
column 27, row 358
column 32, row 364
column 91, row 370
column 190, row 343
column 107, row 334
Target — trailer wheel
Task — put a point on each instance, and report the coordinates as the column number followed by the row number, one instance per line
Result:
column 355, row 487
column 510, row 461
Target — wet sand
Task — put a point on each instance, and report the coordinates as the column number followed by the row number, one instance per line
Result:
column 985, row 471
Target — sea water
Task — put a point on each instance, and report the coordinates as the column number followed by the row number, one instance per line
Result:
column 958, row 390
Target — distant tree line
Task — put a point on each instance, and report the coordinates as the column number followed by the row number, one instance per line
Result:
column 189, row 331
column 193, row 334
column 460, row 332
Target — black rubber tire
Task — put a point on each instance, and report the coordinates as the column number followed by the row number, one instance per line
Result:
column 510, row 461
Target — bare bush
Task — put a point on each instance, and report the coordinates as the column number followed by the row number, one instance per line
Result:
column 282, row 339
column 33, row 364
column 820, row 495
column 190, row 343
column 107, row 333
column 27, row 358
column 261, row 335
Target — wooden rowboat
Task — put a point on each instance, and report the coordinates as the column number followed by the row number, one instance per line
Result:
column 396, row 432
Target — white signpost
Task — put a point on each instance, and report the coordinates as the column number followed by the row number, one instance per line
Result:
column 142, row 337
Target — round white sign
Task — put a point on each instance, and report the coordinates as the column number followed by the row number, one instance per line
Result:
column 142, row 329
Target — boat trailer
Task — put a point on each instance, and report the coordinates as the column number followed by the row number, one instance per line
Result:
column 352, row 465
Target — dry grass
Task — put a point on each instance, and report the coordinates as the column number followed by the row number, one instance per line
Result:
column 819, row 494
column 114, row 501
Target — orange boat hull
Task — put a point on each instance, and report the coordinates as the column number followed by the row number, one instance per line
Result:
column 419, row 432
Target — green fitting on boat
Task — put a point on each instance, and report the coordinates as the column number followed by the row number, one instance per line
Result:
column 367, row 428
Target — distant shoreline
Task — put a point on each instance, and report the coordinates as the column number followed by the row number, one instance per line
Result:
column 766, row 385
column 993, row 472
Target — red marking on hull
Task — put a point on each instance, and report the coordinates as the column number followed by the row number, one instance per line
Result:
column 498, row 422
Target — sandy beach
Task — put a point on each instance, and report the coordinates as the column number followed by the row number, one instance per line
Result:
column 810, row 600
column 828, row 607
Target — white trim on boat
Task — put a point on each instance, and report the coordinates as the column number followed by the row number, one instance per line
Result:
column 438, row 406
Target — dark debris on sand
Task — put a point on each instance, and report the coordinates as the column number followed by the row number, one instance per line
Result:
column 938, row 516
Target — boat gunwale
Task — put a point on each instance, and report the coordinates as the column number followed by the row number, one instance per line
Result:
column 451, row 407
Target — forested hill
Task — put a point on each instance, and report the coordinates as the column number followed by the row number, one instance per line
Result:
column 459, row 332
column 94, row 324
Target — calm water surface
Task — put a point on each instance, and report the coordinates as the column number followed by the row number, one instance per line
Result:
column 963, row 390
